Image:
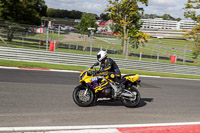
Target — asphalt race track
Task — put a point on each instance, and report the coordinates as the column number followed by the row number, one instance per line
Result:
column 44, row 98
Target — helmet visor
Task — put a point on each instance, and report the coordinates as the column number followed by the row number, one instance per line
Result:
column 98, row 56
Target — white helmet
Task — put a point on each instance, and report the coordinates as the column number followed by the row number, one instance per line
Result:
column 101, row 55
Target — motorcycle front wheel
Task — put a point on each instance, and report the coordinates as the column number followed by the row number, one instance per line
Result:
column 82, row 96
column 132, row 101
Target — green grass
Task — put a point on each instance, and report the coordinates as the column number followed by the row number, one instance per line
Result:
column 123, row 57
column 23, row 64
column 168, row 47
column 22, row 45
column 81, row 68
column 16, row 45
column 160, row 74
column 147, row 50
column 151, row 48
column 52, row 37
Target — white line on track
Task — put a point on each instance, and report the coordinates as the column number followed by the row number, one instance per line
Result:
column 87, row 129
column 105, row 127
column 3, row 67
column 71, row 71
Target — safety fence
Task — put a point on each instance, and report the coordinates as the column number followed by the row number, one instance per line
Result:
column 30, row 36
column 20, row 54
column 41, row 44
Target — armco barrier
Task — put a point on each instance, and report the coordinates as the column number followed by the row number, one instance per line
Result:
column 38, row 44
column 19, row 54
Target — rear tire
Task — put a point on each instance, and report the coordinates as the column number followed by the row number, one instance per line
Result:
column 80, row 99
column 134, row 101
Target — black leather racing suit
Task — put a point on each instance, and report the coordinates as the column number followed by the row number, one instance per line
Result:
column 110, row 66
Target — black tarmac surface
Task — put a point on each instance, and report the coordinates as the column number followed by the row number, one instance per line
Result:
column 42, row 98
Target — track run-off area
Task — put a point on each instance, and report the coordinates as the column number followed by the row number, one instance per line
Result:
column 34, row 98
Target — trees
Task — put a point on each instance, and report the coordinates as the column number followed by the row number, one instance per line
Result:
column 167, row 17
column 21, row 12
column 59, row 13
column 191, row 11
column 126, row 15
column 87, row 20
column 150, row 16
column 164, row 17
column 105, row 16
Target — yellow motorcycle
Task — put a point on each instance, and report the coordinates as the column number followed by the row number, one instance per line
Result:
column 98, row 87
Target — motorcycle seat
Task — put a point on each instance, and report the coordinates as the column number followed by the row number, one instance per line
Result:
column 120, row 80
column 128, row 75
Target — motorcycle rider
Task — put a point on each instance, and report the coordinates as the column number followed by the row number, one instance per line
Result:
column 108, row 65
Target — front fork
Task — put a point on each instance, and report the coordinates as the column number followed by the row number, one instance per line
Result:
column 87, row 88
column 85, row 93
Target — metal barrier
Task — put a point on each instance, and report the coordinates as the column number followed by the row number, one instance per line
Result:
column 29, row 55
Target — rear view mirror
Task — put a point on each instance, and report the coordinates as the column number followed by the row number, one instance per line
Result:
column 96, row 64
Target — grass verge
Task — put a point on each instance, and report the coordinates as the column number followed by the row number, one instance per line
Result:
column 81, row 68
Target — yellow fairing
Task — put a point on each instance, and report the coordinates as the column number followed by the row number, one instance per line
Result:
column 103, row 85
column 83, row 79
column 133, row 78
column 86, row 78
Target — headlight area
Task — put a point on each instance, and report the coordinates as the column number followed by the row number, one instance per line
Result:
column 82, row 76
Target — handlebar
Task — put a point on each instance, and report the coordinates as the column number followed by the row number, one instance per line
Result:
column 95, row 64
column 97, row 73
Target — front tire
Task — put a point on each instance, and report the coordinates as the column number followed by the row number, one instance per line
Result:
column 80, row 99
column 133, row 101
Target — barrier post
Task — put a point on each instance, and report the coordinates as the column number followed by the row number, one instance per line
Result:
column 173, row 59
column 184, row 53
column 47, row 38
column 54, row 46
column 141, row 55
column 51, row 47
column 159, row 38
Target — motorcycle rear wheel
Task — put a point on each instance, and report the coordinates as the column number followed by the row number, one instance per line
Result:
column 132, row 102
column 83, row 100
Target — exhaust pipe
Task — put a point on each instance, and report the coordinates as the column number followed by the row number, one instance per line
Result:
column 126, row 95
